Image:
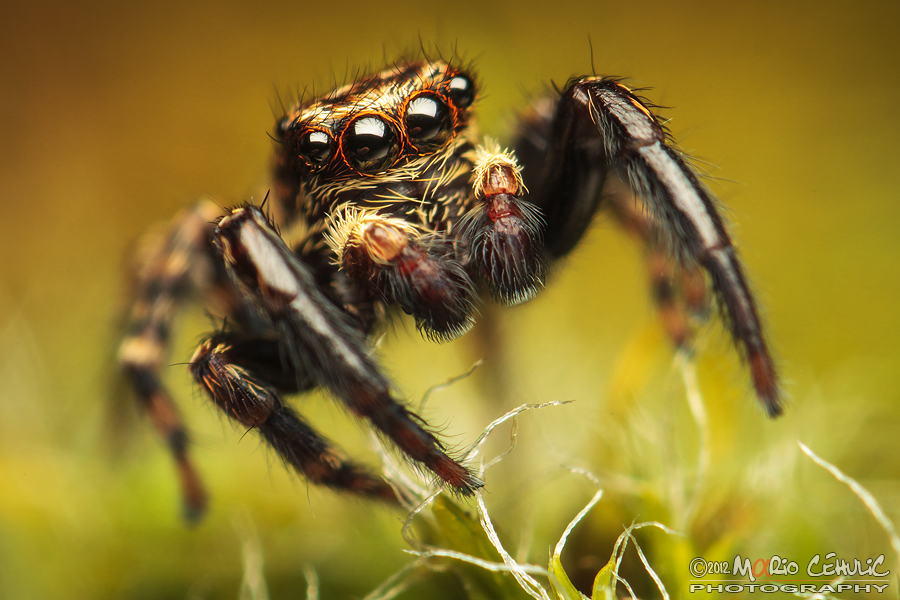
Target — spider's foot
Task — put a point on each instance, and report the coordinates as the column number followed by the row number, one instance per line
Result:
column 458, row 477
column 765, row 381
column 195, row 497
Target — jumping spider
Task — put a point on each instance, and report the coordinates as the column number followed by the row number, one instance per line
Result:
column 384, row 196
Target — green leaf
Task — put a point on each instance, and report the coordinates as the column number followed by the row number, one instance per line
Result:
column 605, row 582
column 559, row 580
column 465, row 534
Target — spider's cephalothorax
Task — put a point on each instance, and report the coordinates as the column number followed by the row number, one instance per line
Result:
column 385, row 197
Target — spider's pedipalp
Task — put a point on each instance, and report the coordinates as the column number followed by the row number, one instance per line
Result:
column 505, row 232
column 217, row 367
column 418, row 274
column 321, row 340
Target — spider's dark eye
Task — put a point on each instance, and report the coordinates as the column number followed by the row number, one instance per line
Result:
column 316, row 148
column 369, row 143
column 461, row 91
column 428, row 122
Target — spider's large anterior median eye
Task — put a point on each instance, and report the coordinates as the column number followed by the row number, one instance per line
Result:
column 461, row 91
column 428, row 122
column 369, row 143
column 316, row 148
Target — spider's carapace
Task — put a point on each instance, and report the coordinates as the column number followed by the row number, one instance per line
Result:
column 384, row 196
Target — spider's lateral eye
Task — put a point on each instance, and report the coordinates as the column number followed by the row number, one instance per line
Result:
column 428, row 121
column 369, row 143
column 461, row 91
column 316, row 148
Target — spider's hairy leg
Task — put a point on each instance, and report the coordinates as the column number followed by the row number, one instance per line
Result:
column 173, row 268
column 321, row 340
column 220, row 366
column 504, row 231
column 679, row 292
column 599, row 124
column 417, row 273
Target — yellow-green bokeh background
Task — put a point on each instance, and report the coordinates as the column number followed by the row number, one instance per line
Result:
column 113, row 115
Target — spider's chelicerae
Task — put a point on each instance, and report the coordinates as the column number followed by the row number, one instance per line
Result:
column 384, row 196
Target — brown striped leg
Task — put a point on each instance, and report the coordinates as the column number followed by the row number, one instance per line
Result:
column 678, row 292
column 322, row 341
column 172, row 269
column 219, row 367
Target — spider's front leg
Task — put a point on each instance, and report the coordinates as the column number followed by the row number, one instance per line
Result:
column 321, row 341
column 598, row 124
column 239, row 374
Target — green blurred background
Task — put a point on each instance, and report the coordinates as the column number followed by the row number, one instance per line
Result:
column 114, row 115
